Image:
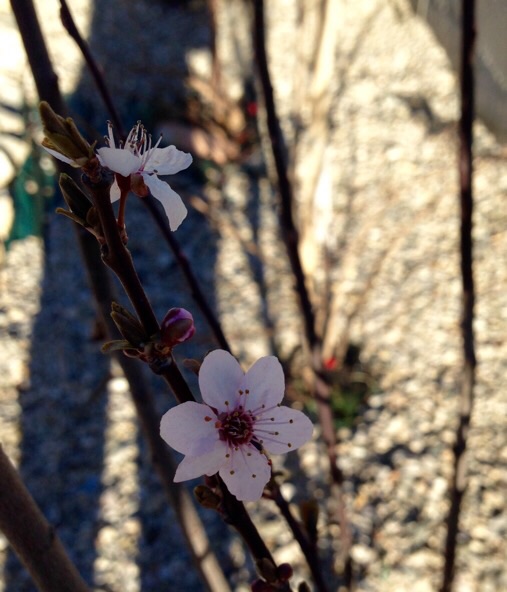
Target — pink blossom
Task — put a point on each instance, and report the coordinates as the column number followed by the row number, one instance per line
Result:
column 141, row 164
column 238, row 425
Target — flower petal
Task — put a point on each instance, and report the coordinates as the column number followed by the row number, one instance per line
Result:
column 246, row 473
column 265, row 384
column 219, row 379
column 119, row 160
column 283, row 429
column 190, row 428
column 61, row 157
column 205, row 464
column 167, row 161
column 173, row 205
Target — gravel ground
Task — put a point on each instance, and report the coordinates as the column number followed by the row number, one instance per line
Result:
column 65, row 416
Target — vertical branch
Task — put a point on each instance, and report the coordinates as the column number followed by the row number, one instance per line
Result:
column 307, row 545
column 458, row 483
column 214, row 7
column 278, row 148
column 44, row 75
column 291, row 239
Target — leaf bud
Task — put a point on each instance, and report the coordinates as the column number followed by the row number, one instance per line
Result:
column 63, row 137
column 128, row 325
column 75, row 197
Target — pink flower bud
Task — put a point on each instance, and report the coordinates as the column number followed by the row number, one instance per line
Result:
column 177, row 327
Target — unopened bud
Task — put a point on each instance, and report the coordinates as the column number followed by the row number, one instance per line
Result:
column 177, row 327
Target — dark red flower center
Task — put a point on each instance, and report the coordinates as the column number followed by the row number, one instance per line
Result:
column 236, row 427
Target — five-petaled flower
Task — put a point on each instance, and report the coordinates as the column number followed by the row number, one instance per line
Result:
column 238, row 425
column 137, row 165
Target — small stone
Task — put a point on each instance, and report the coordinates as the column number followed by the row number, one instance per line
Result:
column 363, row 555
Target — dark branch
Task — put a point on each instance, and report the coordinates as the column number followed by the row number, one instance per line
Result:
column 291, row 239
column 458, row 484
column 71, row 28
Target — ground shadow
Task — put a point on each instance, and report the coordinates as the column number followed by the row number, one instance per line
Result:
column 63, row 411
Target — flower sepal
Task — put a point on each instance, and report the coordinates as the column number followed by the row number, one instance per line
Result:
column 267, row 569
column 74, row 197
column 116, row 345
column 207, row 498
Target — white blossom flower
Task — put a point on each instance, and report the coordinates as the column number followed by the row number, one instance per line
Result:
column 142, row 164
column 238, row 425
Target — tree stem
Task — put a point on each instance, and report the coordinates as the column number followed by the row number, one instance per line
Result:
column 458, row 483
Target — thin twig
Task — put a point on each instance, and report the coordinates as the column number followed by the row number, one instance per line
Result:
column 458, row 484
column 291, row 239
column 307, row 546
column 195, row 288
column 71, row 28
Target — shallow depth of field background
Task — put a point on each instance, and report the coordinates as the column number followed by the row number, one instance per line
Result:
column 371, row 138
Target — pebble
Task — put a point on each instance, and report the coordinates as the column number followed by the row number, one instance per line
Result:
column 363, row 555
